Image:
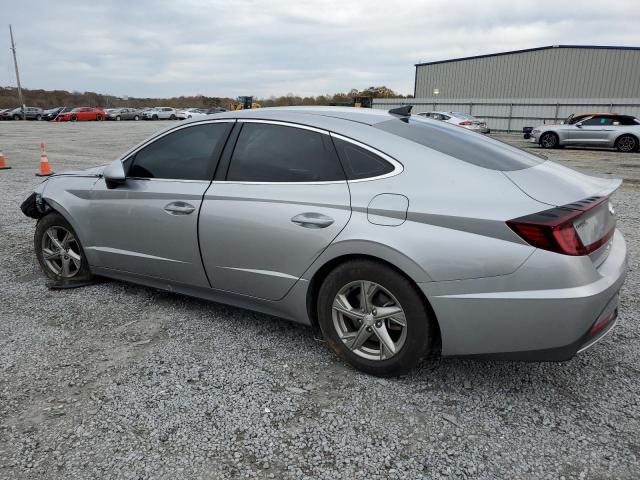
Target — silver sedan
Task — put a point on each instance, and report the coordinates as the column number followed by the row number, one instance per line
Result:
column 598, row 130
column 399, row 237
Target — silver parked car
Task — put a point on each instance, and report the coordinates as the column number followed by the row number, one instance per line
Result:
column 398, row 236
column 464, row 120
column 591, row 130
column 118, row 114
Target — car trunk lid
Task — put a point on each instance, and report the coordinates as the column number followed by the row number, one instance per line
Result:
column 582, row 208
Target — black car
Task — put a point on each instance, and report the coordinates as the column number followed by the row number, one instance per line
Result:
column 52, row 113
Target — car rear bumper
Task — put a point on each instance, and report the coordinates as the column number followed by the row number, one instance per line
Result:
column 533, row 325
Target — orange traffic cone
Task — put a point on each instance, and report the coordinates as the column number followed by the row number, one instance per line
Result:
column 3, row 162
column 45, row 168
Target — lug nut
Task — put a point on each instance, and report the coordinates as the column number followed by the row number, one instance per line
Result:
column 378, row 324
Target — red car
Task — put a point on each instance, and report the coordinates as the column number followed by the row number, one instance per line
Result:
column 82, row 114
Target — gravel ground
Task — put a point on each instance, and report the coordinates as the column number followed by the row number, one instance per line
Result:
column 120, row 381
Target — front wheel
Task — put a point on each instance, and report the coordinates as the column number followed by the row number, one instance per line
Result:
column 549, row 140
column 73, row 118
column 118, row 118
column 627, row 143
column 155, row 117
column 136, row 118
column 99, row 118
column 38, row 117
column 374, row 318
column 172, row 117
column 58, row 249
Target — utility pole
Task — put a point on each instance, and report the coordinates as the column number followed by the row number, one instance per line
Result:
column 15, row 63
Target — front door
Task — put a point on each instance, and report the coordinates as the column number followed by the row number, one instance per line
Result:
column 592, row 131
column 149, row 225
column 281, row 203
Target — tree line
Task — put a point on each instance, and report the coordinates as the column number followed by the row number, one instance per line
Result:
column 55, row 98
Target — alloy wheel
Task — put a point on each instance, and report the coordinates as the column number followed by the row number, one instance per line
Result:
column 369, row 320
column 548, row 140
column 626, row 144
column 61, row 252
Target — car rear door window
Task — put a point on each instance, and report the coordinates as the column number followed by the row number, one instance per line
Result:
column 460, row 143
column 189, row 153
column 277, row 153
column 360, row 163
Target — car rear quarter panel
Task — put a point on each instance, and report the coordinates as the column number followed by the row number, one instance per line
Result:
column 454, row 227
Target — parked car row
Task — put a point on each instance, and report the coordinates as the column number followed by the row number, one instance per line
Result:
column 78, row 114
column 30, row 113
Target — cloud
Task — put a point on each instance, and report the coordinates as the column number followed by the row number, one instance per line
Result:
column 163, row 48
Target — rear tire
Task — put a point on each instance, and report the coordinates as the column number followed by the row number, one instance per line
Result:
column 62, row 258
column 98, row 118
column 38, row 117
column 172, row 117
column 118, row 118
column 136, row 118
column 375, row 341
column 155, row 117
column 627, row 143
column 549, row 140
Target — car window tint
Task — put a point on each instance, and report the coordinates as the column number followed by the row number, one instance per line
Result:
column 277, row 153
column 462, row 144
column 360, row 163
column 186, row 154
column 600, row 120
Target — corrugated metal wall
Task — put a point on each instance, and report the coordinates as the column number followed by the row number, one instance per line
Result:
column 511, row 114
column 552, row 73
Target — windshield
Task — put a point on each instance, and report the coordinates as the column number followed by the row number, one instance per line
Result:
column 76, row 110
column 460, row 143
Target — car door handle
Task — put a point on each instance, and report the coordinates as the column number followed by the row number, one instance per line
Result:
column 179, row 208
column 312, row 220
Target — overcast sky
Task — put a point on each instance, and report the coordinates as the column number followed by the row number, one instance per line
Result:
column 149, row 48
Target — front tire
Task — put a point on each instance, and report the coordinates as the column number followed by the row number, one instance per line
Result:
column 73, row 118
column 38, row 117
column 627, row 143
column 59, row 251
column 172, row 117
column 118, row 118
column 385, row 332
column 549, row 140
column 155, row 117
column 136, row 118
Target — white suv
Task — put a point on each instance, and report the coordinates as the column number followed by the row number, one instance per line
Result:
column 160, row 113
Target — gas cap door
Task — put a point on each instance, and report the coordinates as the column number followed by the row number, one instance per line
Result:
column 388, row 209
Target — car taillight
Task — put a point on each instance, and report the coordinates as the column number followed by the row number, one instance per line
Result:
column 579, row 228
column 465, row 122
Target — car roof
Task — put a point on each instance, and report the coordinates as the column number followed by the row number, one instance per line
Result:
column 312, row 114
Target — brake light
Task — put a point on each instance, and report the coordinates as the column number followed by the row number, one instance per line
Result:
column 555, row 229
column 465, row 122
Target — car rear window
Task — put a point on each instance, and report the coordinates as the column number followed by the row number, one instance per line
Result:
column 462, row 144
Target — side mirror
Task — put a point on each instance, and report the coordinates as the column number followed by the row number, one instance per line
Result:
column 114, row 174
column 579, row 124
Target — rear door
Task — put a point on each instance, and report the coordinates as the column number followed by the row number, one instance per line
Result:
column 279, row 199
column 149, row 225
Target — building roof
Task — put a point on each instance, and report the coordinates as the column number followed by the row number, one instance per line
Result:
column 600, row 47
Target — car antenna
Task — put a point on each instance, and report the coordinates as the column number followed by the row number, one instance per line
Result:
column 403, row 111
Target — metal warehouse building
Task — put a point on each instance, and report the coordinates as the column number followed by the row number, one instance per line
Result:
column 528, row 87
